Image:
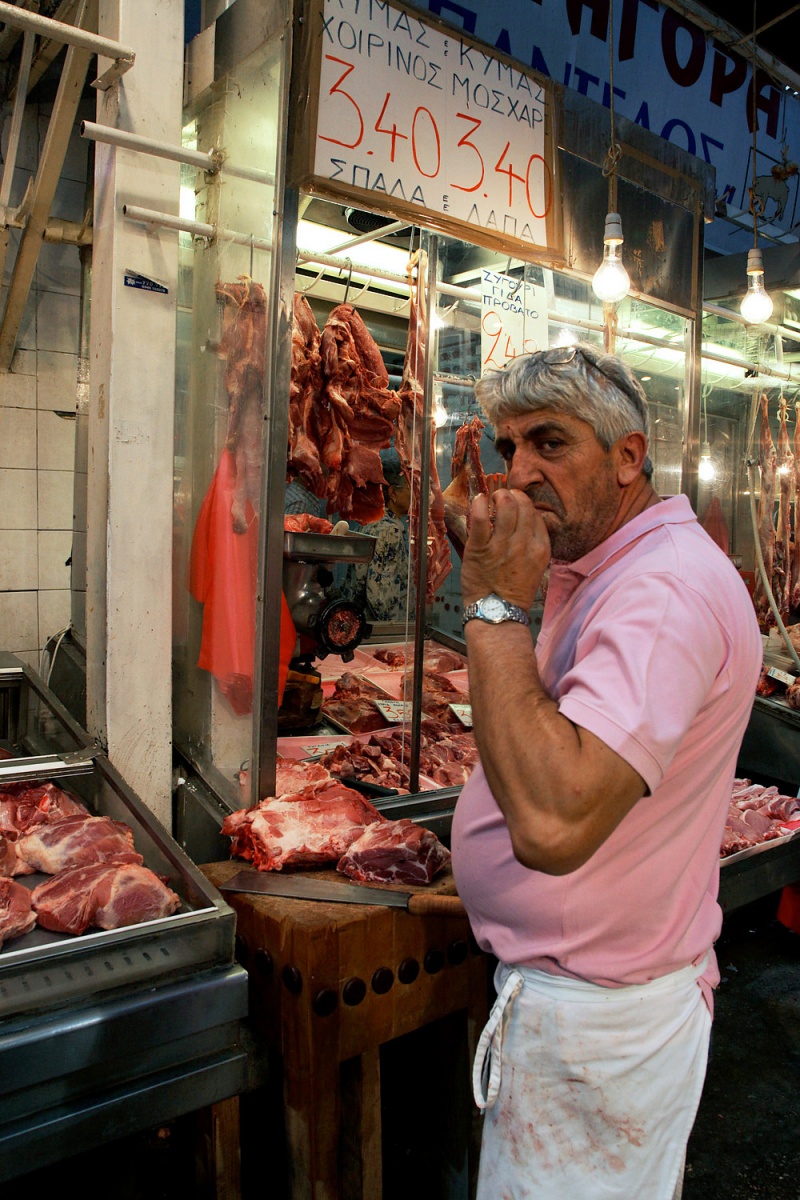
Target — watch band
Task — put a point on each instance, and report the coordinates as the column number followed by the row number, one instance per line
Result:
column 499, row 610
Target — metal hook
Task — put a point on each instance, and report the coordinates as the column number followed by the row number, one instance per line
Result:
column 349, row 262
column 252, row 248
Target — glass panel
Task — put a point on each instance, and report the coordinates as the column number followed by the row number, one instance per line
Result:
column 224, row 282
column 485, row 309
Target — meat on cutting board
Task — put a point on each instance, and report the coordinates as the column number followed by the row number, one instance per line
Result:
column 16, row 913
column 102, row 896
column 394, row 852
column 77, row 842
column 310, row 828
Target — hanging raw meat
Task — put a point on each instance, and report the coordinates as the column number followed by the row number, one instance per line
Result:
column 243, row 346
column 782, row 565
column 306, row 422
column 715, row 525
column 795, row 596
column 768, row 464
column 468, row 481
column 411, row 438
column 360, row 410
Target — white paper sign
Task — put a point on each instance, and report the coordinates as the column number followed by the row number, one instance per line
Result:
column 423, row 116
column 513, row 318
column 464, row 713
column 394, row 710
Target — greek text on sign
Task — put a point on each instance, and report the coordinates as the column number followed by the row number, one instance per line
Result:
column 394, row 710
column 513, row 318
column 424, row 117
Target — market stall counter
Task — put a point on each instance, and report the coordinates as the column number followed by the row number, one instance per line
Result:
column 331, row 984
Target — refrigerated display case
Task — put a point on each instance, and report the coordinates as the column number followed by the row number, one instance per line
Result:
column 108, row 1032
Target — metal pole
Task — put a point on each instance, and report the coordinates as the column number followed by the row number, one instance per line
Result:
column 148, row 216
column 211, row 160
column 20, row 18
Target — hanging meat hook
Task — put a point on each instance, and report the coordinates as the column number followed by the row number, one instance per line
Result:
column 349, row 262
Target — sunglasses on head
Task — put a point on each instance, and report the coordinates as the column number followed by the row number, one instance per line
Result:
column 560, row 356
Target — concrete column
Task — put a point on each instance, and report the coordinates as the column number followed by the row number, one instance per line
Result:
column 131, row 409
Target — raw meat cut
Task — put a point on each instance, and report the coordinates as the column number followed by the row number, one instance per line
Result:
column 311, row 827
column 757, row 814
column 353, row 704
column 360, row 409
column 291, row 775
column 9, row 863
column 23, row 805
column 243, row 346
column 412, row 444
column 369, row 762
column 305, row 400
column 394, row 852
column 782, row 565
column 434, row 658
column 468, row 481
column 16, row 913
column 103, row 896
column 77, row 842
column 306, row 523
column 768, row 464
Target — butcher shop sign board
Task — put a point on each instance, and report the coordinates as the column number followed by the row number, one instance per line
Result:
column 406, row 116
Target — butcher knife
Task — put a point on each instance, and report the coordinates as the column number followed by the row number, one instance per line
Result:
column 299, row 887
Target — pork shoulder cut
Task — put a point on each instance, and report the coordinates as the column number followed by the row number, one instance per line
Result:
column 394, row 852
column 16, row 914
column 77, row 842
column 103, row 896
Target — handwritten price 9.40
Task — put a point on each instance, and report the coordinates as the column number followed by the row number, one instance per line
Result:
column 425, row 144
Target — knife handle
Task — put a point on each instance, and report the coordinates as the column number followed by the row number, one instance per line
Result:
column 441, row 906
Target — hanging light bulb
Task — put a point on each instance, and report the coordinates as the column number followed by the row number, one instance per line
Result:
column 439, row 410
column 611, row 282
column 756, row 306
column 706, row 469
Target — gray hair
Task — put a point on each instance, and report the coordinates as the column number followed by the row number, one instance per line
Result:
column 594, row 387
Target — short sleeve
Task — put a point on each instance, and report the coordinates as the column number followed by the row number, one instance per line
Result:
column 646, row 663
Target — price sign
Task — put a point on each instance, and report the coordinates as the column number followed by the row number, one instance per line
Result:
column 394, row 710
column 425, row 123
column 781, row 676
column 464, row 714
column 317, row 749
column 513, row 318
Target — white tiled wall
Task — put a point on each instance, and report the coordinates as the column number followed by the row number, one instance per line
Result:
column 37, row 418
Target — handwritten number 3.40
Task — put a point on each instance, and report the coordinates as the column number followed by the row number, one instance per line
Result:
column 433, row 148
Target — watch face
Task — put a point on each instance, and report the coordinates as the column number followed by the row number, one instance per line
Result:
column 493, row 608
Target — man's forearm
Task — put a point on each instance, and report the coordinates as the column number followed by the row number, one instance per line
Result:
column 559, row 788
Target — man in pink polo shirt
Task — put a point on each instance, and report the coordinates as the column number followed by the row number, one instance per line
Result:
column 586, row 844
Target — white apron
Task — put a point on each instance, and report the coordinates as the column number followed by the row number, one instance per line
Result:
column 590, row 1093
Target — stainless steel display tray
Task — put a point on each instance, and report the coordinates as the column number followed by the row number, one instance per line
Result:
column 43, row 970
column 328, row 547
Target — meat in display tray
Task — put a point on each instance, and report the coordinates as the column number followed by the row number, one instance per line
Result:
column 42, row 968
column 751, row 851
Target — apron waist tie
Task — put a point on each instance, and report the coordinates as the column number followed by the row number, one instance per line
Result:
column 488, row 1057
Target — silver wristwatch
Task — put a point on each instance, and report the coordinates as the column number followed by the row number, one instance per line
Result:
column 494, row 611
